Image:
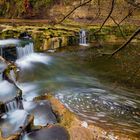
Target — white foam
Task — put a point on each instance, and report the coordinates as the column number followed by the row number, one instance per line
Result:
column 9, row 42
column 81, row 44
column 27, row 61
column 6, row 88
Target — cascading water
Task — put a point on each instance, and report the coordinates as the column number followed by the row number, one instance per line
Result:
column 26, row 50
column 11, row 106
column 74, row 84
column 6, row 42
column 83, row 38
column 13, row 114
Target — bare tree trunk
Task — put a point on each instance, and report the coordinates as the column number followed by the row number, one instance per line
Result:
column 127, row 42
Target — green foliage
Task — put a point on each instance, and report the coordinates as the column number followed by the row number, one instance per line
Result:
column 24, row 8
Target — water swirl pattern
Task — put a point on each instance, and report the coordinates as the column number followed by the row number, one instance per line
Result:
column 117, row 110
column 99, row 106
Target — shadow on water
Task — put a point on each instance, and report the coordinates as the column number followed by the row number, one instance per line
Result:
column 82, row 93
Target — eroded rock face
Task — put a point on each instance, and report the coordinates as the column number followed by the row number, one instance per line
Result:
column 52, row 133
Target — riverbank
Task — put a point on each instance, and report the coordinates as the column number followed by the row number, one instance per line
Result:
column 80, row 129
column 77, row 128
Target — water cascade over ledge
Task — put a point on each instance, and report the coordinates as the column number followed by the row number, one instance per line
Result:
column 24, row 51
column 83, row 38
column 14, row 111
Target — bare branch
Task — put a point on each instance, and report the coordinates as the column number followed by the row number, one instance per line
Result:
column 75, row 8
column 118, row 27
column 128, row 15
column 127, row 42
column 109, row 14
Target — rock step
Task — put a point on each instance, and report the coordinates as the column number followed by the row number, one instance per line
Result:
column 42, row 112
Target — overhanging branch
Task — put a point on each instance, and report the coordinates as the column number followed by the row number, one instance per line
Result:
column 127, row 42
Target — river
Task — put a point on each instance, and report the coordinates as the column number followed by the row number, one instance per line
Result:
column 75, row 83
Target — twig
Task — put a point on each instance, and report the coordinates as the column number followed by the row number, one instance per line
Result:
column 129, row 14
column 75, row 8
column 118, row 27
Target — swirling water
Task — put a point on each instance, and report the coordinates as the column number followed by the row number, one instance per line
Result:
column 117, row 110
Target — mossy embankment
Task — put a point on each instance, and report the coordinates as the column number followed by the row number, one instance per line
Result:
column 41, row 32
column 121, row 69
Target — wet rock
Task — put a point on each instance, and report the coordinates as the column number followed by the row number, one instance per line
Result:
column 25, row 35
column 80, row 133
column 79, row 129
column 14, row 123
column 42, row 111
column 52, row 133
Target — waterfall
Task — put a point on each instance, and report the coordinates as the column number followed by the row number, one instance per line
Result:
column 13, row 105
column 26, row 50
column 83, row 38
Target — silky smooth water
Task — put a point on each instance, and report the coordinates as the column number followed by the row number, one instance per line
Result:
column 77, row 87
column 5, row 42
column 13, row 121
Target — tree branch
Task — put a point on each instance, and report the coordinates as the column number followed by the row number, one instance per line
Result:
column 129, row 14
column 111, row 10
column 127, row 42
column 118, row 27
column 75, row 8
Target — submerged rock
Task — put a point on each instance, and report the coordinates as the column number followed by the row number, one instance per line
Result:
column 52, row 133
column 42, row 111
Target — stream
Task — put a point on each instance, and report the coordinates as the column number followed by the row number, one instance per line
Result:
column 76, row 86
column 79, row 90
